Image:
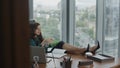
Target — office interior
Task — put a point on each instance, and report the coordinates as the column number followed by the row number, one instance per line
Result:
column 77, row 22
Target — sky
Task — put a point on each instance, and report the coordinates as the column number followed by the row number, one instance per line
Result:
column 53, row 3
column 46, row 2
column 85, row 3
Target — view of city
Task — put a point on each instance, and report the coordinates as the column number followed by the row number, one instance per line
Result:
column 85, row 20
column 111, row 26
column 48, row 13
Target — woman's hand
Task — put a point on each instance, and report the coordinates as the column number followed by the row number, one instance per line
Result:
column 47, row 41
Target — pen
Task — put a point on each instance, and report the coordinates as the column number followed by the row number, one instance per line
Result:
column 49, row 60
column 64, row 59
column 69, row 58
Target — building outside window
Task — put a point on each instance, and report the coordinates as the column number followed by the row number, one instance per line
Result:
column 85, row 22
column 48, row 14
column 111, row 27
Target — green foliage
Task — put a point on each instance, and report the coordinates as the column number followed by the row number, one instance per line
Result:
column 80, row 24
column 49, row 26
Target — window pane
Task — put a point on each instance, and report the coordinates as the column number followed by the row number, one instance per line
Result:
column 48, row 14
column 85, row 21
column 111, row 27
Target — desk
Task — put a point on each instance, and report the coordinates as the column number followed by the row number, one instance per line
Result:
column 77, row 58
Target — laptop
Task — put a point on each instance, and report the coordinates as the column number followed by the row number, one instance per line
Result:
column 56, row 53
column 38, row 54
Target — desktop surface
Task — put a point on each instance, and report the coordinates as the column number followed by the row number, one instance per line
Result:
column 76, row 59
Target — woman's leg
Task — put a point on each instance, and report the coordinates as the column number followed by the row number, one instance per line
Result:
column 75, row 50
column 72, row 49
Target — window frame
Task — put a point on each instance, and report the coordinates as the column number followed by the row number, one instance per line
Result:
column 30, row 9
column 64, row 20
column 119, row 33
column 100, row 23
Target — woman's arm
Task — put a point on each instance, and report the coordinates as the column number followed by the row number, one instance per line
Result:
column 32, row 42
column 46, row 41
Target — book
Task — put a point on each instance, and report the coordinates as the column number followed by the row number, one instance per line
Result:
column 101, row 58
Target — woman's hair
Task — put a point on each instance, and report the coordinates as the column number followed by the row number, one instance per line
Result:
column 33, row 27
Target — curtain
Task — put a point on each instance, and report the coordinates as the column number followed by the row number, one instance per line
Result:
column 14, row 34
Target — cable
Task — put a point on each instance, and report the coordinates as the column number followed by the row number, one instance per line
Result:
column 53, row 60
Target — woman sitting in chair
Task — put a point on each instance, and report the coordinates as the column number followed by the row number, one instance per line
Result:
column 38, row 40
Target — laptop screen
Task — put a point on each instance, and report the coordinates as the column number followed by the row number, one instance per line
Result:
column 38, row 54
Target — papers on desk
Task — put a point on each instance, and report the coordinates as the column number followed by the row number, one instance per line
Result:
column 57, row 53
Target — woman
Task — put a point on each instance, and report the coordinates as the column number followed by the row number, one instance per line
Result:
column 38, row 40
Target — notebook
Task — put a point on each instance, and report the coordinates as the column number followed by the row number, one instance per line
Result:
column 38, row 54
column 101, row 58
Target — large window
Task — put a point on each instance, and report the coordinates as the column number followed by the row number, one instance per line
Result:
column 48, row 14
column 85, row 22
column 111, row 27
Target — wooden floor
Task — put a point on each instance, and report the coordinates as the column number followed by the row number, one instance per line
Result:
column 76, row 59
